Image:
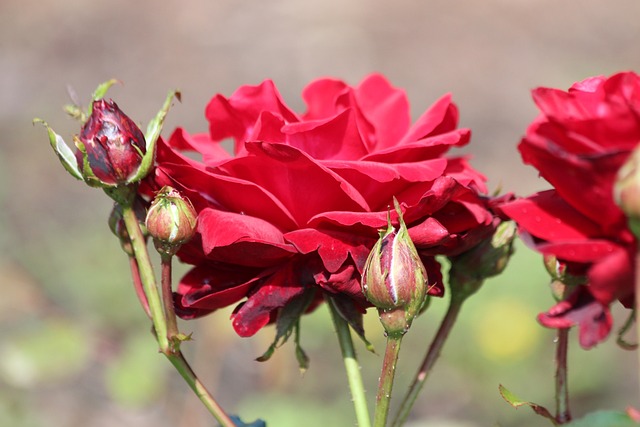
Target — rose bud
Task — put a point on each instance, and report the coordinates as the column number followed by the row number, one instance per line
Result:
column 487, row 259
column 171, row 221
column 112, row 151
column 626, row 190
column 111, row 146
column 394, row 279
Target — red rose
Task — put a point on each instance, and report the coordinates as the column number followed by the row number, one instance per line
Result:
column 578, row 143
column 294, row 214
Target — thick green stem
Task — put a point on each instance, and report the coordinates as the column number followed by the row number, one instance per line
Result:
column 146, row 275
column 167, row 348
column 385, row 386
column 429, row 360
column 351, row 366
column 167, row 299
column 182, row 366
column 563, row 414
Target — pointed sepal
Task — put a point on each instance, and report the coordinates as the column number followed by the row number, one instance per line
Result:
column 154, row 128
column 64, row 152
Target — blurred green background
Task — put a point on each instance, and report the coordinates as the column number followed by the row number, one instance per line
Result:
column 76, row 349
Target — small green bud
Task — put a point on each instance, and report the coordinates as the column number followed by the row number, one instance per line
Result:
column 487, row 259
column 171, row 221
column 394, row 279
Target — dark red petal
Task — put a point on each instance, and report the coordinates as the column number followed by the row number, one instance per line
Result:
column 547, row 216
column 235, row 117
column 240, row 239
column 595, row 174
column 333, row 247
column 380, row 182
column 441, row 117
column 386, row 108
column 212, row 152
column 286, row 283
column 335, row 138
column 321, row 97
column 593, row 319
column 427, row 148
column 301, row 184
column 612, row 276
column 208, row 287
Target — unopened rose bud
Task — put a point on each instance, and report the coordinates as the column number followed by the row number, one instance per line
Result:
column 394, row 279
column 111, row 146
column 487, row 259
column 626, row 190
column 171, row 221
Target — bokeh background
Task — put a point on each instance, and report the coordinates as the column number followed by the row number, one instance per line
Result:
column 76, row 349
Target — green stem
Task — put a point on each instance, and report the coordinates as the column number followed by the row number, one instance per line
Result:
column 351, row 366
column 563, row 414
column 167, row 348
column 146, row 275
column 167, row 298
column 429, row 360
column 182, row 366
column 385, row 386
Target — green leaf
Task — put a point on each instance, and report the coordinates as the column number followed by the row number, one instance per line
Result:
column 288, row 322
column 151, row 136
column 604, row 419
column 348, row 312
column 516, row 402
column 65, row 154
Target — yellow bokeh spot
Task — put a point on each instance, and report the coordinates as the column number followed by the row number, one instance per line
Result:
column 506, row 329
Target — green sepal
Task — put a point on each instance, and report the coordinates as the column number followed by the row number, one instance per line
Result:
column 76, row 113
column 151, row 137
column 604, row 419
column 100, row 92
column 354, row 318
column 289, row 321
column 66, row 156
column 516, row 402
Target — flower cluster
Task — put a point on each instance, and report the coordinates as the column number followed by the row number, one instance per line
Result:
column 295, row 212
column 578, row 143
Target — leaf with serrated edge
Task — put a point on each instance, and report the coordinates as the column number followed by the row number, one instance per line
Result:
column 516, row 402
column 66, row 156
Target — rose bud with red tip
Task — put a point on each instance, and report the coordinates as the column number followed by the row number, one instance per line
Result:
column 111, row 146
column 395, row 279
